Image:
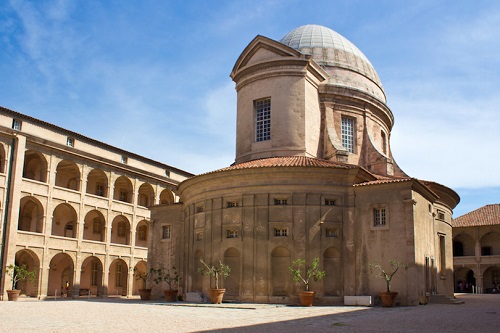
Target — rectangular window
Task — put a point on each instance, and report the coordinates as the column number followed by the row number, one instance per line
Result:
column 262, row 120
column 200, row 209
column 232, row 204
column 124, row 159
column 231, row 233
column 348, row 134
column 123, row 196
column 99, row 190
column 280, row 202
column 97, row 226
column 280, row 232
column 329, row 202
column 121, row 229
column 95, row 270
column 442, row 254
column 440, row 215
column 199, row 236
column 166, row 232
column 70, row 142
column 331, row 232
column 118, row 274
column 16, row 124
column 379, row 217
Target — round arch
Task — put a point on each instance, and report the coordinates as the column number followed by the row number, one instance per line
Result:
column 61, row 277
column 464, row 278
column 491, row 280
column 142, row 234
column 91, row 276
column 94, row 226
column 32, row 262
column 97, row 183
column 120, row 230
column 123, row 189
column 166, row 197
column 490, row 244
column 232, row 258
column 333, row 282
column 31, row 215
column 463, row 245
column 3, row 158
column 280, row 261
column 118, row 277
column 146, row 195
column 64, row 221
column 35, row 166
column 140, row 267
column 68, row 175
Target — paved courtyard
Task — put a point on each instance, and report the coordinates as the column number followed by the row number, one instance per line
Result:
column 479, row 313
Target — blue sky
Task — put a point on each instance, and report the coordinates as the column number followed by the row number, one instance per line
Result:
column 152, row 77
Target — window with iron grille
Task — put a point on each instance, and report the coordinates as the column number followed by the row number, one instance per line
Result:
column 379, row 217
column 348, row 134
column 263, row 120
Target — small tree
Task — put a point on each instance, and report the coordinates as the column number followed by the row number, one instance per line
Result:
column 388, row 276
column 311, row 271
column 219, row 271
column 20, row 273
column 169, row 277
column 146, row 276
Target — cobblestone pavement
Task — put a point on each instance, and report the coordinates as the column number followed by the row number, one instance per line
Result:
column 479, row 313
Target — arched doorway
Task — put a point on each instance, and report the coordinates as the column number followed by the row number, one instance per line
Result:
column 464, row 280
column 491, row 280
column 166, row 197
column 280, row 277
column 60, row 275
column 35, row 166
column 118, row 277
column 91, row 276
column 32, row 262
column 97, row 183
column 123, row 190
column 141, row 268
column 333, row 281
column 146, row 195
column 232, row 258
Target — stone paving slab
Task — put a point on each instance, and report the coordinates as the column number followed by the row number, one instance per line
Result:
column 479, row 313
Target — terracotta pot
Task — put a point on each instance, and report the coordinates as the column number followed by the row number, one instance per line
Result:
column 170, row 295
column 306, row 298
column 13, row 295
column 388, row 298
column 216, row 295
column 145, row 294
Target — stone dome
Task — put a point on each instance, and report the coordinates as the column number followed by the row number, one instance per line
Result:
column 333, row 51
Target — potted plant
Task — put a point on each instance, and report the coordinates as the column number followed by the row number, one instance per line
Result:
column 217, row 271
column 145, row 292
column 388, row 297
column 171, row 278
column 18, row 273
column 302, row 273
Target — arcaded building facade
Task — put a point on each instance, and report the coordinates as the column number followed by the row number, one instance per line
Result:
column 75, row 210
column 314, row 177
column 476, row 250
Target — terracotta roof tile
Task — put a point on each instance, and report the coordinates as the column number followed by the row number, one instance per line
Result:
column 287, row 161
column 385, row 181
column 486, row 215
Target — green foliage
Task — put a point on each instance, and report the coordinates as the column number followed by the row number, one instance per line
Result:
column 20, row 273
column 312, row 271
column 170, row 277
column 219, row 271
column 382, row 273
column 152, row 274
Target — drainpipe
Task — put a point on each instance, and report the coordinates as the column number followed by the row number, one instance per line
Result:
column 5, row 216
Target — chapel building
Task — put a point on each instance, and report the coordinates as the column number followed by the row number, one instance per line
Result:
column 314, row 177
